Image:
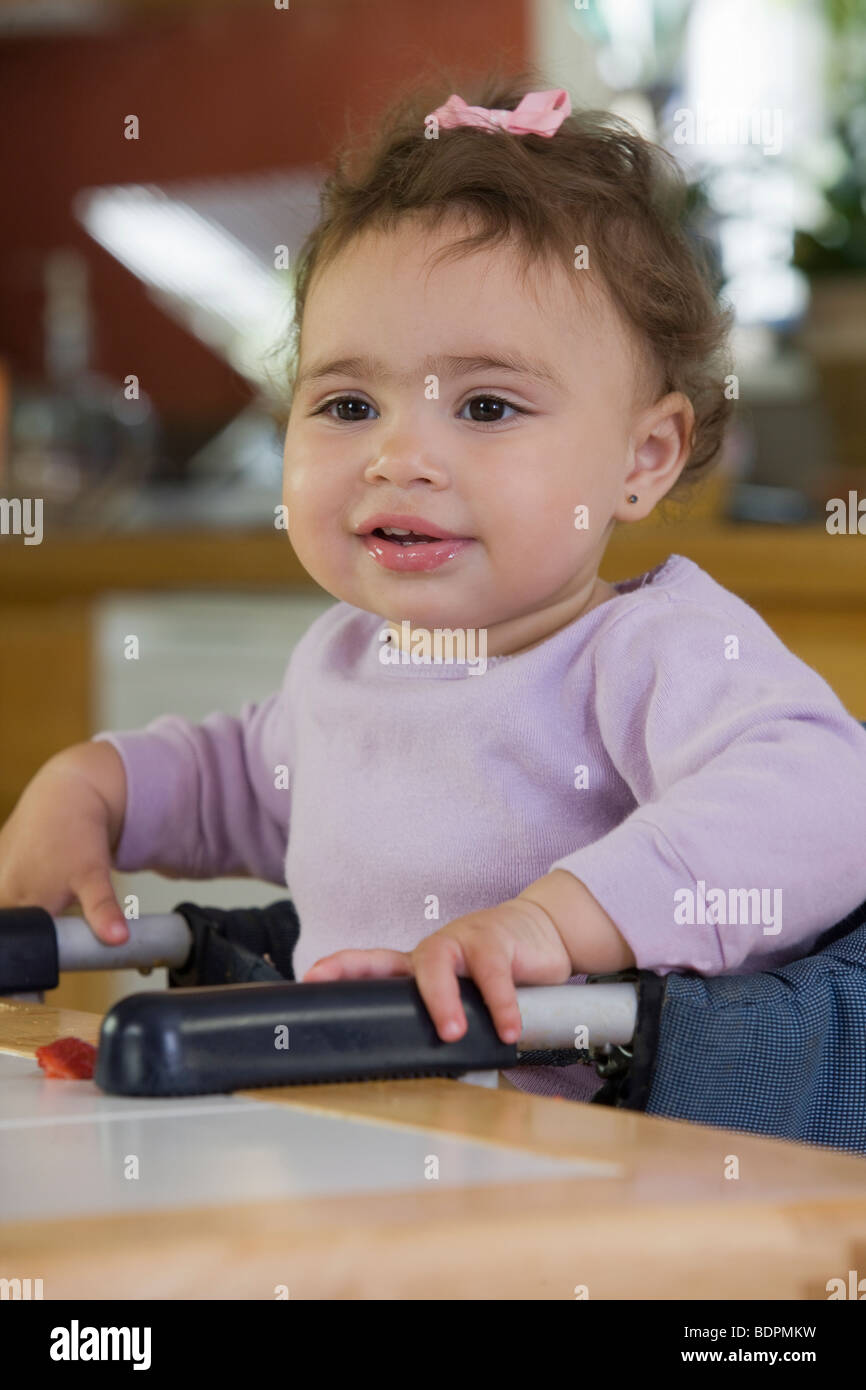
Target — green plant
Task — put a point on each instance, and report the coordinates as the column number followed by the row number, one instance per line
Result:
column 839, row 244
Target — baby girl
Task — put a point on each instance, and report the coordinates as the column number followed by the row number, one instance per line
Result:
column 505, row 345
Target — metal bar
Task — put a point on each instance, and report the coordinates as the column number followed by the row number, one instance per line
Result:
column 553, row 1016
column 156, row 939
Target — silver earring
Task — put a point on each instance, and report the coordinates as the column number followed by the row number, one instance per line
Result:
column 633, row 498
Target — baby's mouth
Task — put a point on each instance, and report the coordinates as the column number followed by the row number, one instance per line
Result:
column 407, row 552
column 400, row 537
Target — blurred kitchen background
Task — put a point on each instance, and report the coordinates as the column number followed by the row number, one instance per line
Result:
column 145, row 299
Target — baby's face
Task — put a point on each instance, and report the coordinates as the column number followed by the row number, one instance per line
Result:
column 421, row 433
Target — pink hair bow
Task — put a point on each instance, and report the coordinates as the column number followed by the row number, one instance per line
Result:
column 539, row 113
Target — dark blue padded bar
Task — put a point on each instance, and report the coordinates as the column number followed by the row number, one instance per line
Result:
column 226, row 1038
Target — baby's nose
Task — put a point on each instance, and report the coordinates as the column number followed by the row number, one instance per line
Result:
column 405, row 466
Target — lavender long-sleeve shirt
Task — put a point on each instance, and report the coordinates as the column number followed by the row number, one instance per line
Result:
column 706, row 786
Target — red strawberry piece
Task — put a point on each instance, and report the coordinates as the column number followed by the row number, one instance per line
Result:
column 71, row 1059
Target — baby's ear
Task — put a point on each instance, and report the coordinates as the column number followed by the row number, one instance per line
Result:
column 661, row 442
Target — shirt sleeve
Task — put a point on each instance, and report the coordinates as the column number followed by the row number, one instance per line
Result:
column 211, row 799
column 749, row 778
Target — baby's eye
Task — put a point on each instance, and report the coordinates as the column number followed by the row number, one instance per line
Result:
column 345, row 401
column 494, row 403
column 349, row 409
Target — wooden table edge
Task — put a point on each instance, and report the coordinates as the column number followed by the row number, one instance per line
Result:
column 789, row 1222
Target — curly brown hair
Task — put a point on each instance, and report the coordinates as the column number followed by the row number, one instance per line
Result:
column 597, row 182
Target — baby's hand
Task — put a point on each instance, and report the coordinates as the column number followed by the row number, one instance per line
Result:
column 499, row 947
column 56, row 847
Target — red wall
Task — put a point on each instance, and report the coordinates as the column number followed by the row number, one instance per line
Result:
column 239, row 88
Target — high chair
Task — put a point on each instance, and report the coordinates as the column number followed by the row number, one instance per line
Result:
column 779, row 1052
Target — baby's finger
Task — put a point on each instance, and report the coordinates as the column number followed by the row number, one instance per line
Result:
column 436, row 966
column 101, row 909
column 495, row 980
column 359, row 965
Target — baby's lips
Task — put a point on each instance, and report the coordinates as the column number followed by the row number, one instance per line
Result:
column 421, row 526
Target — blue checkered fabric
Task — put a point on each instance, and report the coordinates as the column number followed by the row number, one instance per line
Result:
column 782, row 1052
